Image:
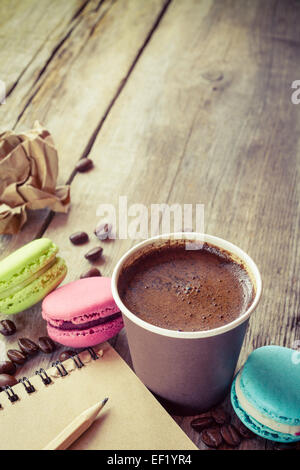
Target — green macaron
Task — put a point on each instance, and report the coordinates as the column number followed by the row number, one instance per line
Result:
column 29, row 274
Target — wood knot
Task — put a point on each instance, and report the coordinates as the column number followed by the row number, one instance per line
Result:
column 213, row 75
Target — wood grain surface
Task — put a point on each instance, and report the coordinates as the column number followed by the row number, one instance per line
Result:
column 175, row 102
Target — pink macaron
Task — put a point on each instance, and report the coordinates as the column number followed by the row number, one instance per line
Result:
column 82, row 313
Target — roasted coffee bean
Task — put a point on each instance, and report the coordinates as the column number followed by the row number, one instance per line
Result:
column 230, row 435
column 78, row 238
column 91, row 273
column 212, row 437
column 244, row 431
column 6, row 379
column 103, row 231
column 7, row 327
column 7, row 367
column 27, row 346
column 202, row 421
column 84, row 164
column 94, row 253
column 220, row 416
column 46, row 344
column 16, row 356
column 66, row 355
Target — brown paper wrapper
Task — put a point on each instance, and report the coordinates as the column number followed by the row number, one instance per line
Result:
column 28, row 174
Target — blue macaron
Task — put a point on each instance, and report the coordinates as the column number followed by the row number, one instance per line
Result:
column 265, row 394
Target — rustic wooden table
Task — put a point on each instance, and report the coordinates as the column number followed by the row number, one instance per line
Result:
column 175, row 102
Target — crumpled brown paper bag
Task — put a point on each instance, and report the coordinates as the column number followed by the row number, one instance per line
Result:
column 28, row 174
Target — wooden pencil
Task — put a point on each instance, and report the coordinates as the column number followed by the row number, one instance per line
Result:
column 77, row 427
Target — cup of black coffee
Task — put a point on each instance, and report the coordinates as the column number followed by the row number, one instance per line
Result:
column 186, row 299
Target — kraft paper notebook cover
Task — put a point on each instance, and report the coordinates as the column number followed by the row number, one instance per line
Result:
column 132, row 418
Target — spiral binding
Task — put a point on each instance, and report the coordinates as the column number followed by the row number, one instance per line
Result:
column 13, row 397
column 77, row 361
column 44, row 376
column 60, row 368
column 28, row 386
column 93, row 353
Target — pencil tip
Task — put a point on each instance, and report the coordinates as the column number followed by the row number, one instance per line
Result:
column 104, row 401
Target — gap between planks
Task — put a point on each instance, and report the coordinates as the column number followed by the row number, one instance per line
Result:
column 17, row 80
column 55, row 51
column 51, row 214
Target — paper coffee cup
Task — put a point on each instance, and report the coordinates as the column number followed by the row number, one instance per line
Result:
column 191, row 370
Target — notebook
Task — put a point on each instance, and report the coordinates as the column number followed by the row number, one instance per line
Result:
column 35, row 411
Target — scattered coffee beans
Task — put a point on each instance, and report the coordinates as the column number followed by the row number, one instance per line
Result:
column 27, row 346
column 84, row 164
column 46, row 344
column 230, row 435
column 94, row 253
column 6, row 379
column 91, row 273
column 203, row 421
column 7, row 327
column 66, row 355
column 216, row 423
column 78, row 238
column 103, row 231
column 7, row 367
column 16, row 356
column 220, row 415
column 212, row 437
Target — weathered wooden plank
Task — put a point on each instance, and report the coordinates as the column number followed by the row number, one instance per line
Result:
column 29, row 32
column 81, row 79
column 79, row 84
